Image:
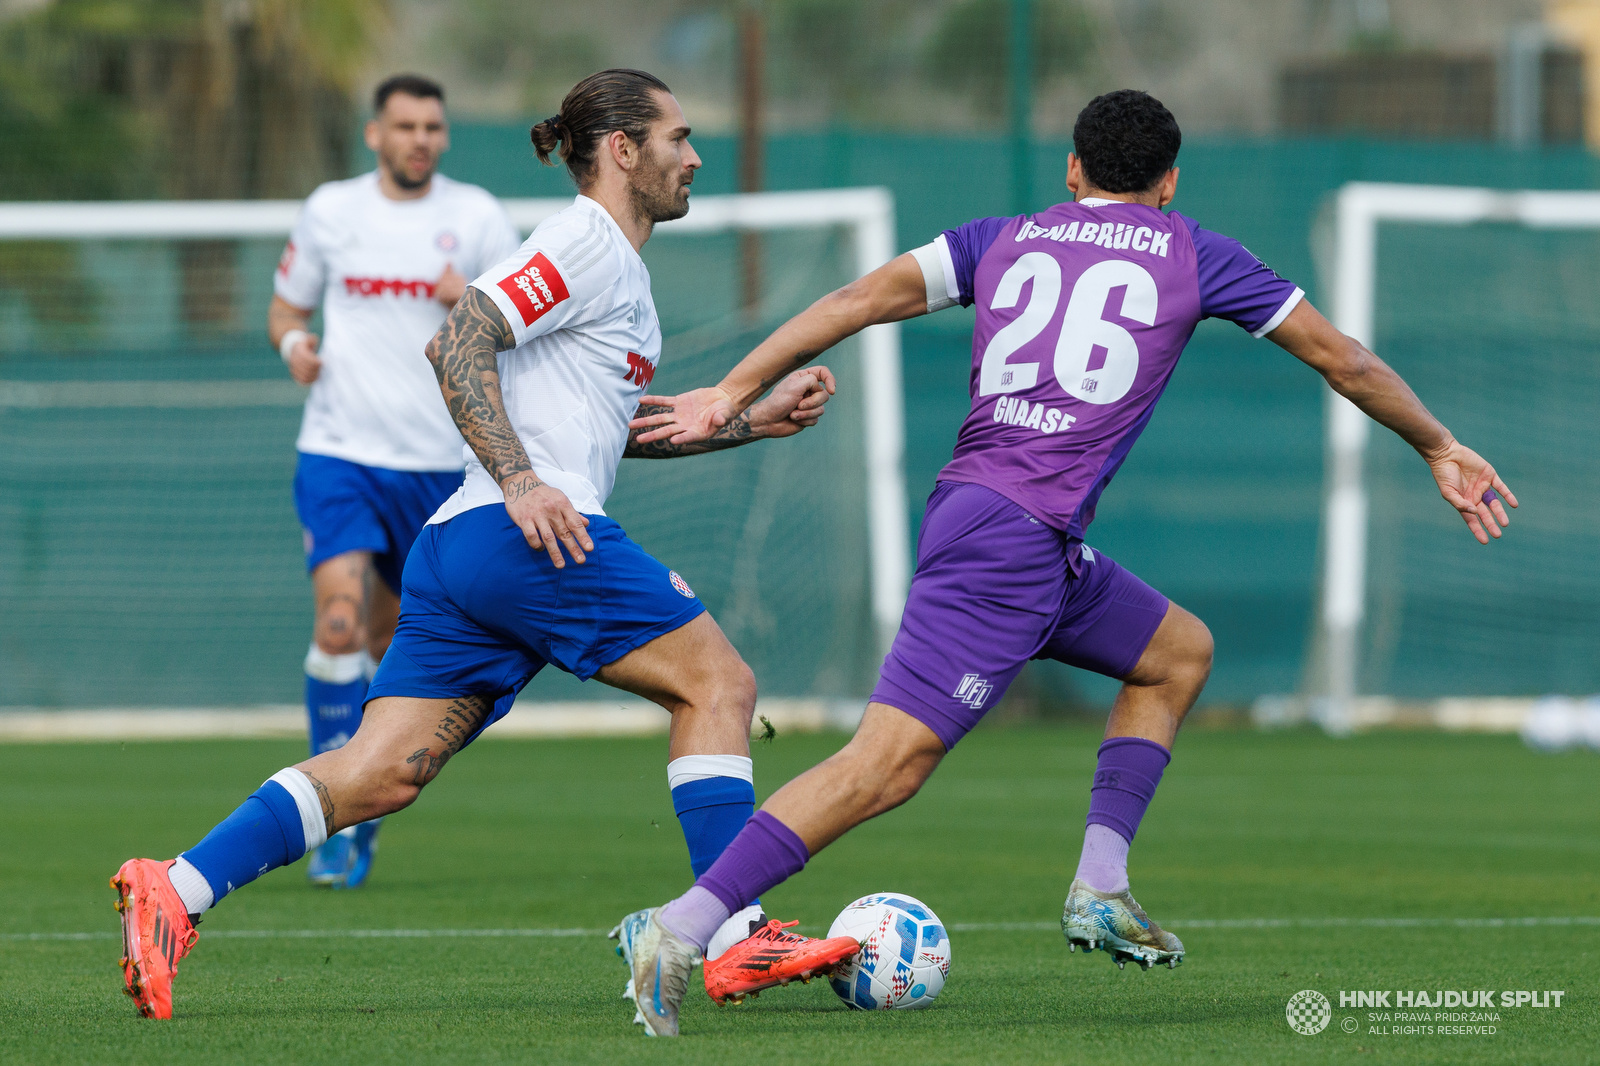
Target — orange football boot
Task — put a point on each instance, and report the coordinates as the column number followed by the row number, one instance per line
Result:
column 769, row 957
column 156, row 933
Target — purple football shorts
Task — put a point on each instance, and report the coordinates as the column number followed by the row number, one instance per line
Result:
column 994, row 588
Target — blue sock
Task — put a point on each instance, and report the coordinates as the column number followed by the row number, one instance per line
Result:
column 269, row 830
column 713, row 796
column 336, row 687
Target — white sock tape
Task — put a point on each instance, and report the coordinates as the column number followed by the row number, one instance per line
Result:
column 335, row 669
column 699, row 767
column 304, row 792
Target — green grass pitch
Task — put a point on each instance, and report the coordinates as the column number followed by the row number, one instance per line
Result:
column 520, row 835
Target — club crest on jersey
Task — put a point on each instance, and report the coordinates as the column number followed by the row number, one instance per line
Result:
column 680, row 584
column 640, row 370
column 447, row 241
column 534, row 289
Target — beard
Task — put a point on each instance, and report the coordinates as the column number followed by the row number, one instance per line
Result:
column 655, row 191
column 397, row 170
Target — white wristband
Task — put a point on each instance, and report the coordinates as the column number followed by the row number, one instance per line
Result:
column 290, row 339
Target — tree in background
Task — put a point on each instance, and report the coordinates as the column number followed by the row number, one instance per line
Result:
column 185, row 99
column 969, row 47
column 500, row 43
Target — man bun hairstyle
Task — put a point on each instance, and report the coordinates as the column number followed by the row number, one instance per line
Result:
column 410, row 84
column 1126, row 140
column 616, row 99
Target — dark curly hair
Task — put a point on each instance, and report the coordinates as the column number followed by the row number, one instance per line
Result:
column 1126, row 140
column 616, row 99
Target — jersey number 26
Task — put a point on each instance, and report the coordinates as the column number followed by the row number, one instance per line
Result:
column 1083, row 331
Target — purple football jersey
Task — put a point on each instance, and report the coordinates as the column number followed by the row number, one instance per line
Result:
column 1083, row 310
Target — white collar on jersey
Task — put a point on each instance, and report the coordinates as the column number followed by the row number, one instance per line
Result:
column 1100, row 201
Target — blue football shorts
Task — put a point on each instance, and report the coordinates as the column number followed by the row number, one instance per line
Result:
column 347, row 507
column 481, row 611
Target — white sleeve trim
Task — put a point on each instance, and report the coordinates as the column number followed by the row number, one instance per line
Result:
column 938, row 274
column 686, row 768
column 1283, row 312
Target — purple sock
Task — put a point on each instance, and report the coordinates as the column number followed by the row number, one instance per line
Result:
column 1103, row 866
column 765, row 853
column 1124, row 783
column 696, row 915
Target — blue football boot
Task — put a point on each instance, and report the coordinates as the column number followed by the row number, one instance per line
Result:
column 364, row 847
column 330, row 863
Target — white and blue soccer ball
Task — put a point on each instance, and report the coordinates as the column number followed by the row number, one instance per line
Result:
column 1553, row 724
column 904, row 957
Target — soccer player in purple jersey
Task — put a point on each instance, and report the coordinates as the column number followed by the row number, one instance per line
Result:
column 1083, row 310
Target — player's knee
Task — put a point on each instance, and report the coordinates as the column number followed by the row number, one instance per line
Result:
column 338, row 629
column 1194, row 660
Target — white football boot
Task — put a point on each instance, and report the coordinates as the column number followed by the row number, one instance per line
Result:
column 739, row 926
column 1116, row 924
column 662, row 966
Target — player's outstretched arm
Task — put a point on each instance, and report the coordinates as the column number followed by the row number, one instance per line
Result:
column 1466, row 481
column 463, row 357
column 796, row 404
column 893, row 292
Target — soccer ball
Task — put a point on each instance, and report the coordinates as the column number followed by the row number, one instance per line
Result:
column 1552, row 724
column 904, row 956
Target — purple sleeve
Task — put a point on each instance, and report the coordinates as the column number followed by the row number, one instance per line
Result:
column 966, row 245
column 1237, row 286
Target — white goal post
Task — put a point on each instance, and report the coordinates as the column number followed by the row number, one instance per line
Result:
column 868, row 215
column 1359, row 209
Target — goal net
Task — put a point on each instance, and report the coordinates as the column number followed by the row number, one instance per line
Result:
column 1485, row 303
column 148, row 541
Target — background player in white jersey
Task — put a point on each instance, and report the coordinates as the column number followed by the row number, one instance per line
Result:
column 386, row 255
column 542, row 364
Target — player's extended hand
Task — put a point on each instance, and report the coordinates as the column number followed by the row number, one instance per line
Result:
column 694, row 416
column 546, row 517
column 796, row 403
column 1469, row 484
column 451, row 286
column 305, row 365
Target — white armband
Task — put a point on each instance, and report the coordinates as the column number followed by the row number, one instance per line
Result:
column 290, row 339
column 938, row 275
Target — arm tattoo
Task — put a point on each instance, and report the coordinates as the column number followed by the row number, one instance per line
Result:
column 326, row 798
column 462, row 718
column 738, row 431
column 463, row 357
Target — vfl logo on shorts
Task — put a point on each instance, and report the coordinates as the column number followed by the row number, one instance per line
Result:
column 973, row 691
column 680, row 584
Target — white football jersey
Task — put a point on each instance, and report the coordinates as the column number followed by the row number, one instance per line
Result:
column 372, row 262
column 577, row 298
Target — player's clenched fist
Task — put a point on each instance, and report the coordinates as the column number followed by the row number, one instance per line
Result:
column 305, row 365
column 795, row 404
column 546, row 517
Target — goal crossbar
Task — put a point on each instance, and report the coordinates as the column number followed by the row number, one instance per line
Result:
column 1359, row 209
column 868, row 213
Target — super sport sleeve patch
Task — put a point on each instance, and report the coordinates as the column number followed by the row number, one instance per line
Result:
column 535, row 294
column 535, row 288
column 301, row 275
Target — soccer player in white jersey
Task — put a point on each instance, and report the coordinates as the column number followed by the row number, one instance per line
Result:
column 386, row 255
column 542, row 363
